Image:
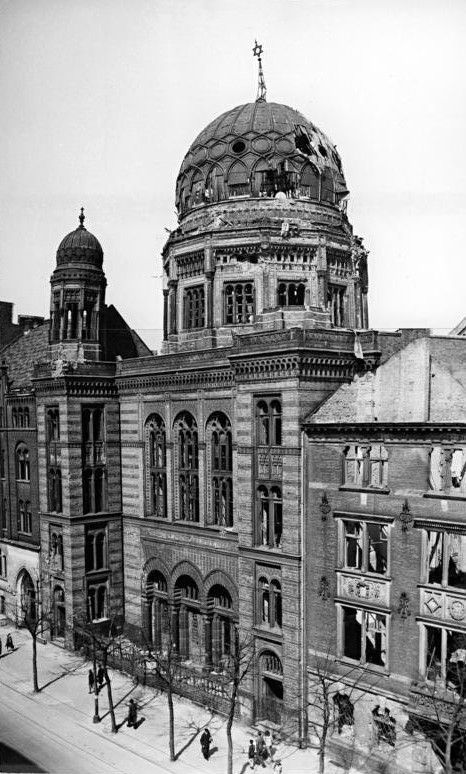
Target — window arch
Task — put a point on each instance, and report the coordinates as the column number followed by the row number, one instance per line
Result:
column 238, row 180
column 269, row 602
column 221, row 626
column 97, row 601
column 239, row 303
column 187, row 445
column 22, row 463
column 269, row 422
column 309, row 183
column 156, row 466
column 56, row 550
column 271, row 686
column 269, row 521
column 96, row 554
column 187, row 619
column 220, row 469
column 157, row 628
column 215, row 187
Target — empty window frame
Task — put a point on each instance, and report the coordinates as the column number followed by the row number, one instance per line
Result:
column 447, row 470
column 445, row 559
column 239, row 303
column 269, row 516
column 23, row 470
column 365, row 546
column 94, row 460
column 188, row 467
column 364, row 636
column 96, row 554
column 156, row 467
column 97, row 601
column 221, row 465
column 194, row 308
column 56, row 550
column 268, row 417
column 443, row 656
column 291, row 293
column 24, row 517
column 337, row 305
column 269, row 603
column 366, row 466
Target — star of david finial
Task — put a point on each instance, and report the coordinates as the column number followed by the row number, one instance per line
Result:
column 81, row 217
column 261, row 88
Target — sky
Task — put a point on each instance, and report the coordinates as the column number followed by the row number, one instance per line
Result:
column 101, row 99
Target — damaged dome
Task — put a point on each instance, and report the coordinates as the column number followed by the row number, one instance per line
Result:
column 260, row 149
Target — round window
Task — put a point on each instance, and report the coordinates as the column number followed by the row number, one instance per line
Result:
column 238, row 146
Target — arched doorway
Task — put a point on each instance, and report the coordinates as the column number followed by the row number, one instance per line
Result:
column 59, row 613
column 187, row 620
column 270, row 687
column 157, row 610
column 220, row 640
column 26, row 595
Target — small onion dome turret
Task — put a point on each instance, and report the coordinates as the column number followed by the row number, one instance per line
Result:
column 80, row 247
column 260, row 149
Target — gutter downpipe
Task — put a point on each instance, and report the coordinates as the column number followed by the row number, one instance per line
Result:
column 303, row 670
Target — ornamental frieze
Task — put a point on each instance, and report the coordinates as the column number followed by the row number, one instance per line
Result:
column 443, row 604
column 363, row 589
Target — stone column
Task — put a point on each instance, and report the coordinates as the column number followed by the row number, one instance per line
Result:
column 172, row 326
column 165, row 313
column 175, row 626
column 207, row 641
column 184, row 631
column 209, row 299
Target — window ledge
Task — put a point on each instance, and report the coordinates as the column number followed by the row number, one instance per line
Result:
column 444, row 496
column 375, row 576
column 370, row 489
column 378, row 670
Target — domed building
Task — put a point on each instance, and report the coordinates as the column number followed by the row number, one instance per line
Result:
column 263, row 241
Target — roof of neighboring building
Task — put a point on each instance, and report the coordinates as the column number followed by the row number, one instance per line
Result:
column 23, row 353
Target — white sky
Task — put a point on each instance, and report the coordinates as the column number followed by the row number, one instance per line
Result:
column 100, row 100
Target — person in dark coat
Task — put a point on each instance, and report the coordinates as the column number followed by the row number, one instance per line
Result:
column 91, row 680
column 251, row 754
column 132, row 714
column 0, row 646
column 9, row 642
column 100, row 675
column 205, row 741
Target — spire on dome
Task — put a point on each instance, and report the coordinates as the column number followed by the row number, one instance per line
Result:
column 81, row 218
column 261, row 87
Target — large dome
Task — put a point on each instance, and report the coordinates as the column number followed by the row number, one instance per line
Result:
column 258, row 149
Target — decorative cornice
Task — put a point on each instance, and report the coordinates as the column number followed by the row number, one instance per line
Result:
column 177, row 381
column 440, row 524
column 386, row 431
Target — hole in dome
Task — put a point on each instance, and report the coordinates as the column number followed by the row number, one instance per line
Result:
column 238, row 147
column 323, row 150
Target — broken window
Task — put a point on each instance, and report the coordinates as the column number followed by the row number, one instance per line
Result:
column 303, row 141
column 194, row 308
column 269, row 516
column 239, row 303
column 445, row 656
column 291, row 293
column 366, row 466
column 364, row 636
column 448, row 469
column 446, row 559
column 365, row 546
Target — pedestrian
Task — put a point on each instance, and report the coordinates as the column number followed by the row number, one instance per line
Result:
column 9, row 642
column 205, row 741
column 268, row 739
column 91, row 680
column 251, row 754
column 261, row 750
column 100, row 675
column 132, row 714
column 277, row 767
column 0, row 646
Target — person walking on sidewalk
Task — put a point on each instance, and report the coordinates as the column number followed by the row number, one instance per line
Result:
column 252, row 754
column 100, row 676
column 205, row 741
column 132, row 714
column 91, row 680
column 9, row 642
column 0, row 646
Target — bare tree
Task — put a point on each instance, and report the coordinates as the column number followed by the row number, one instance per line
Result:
column 238, row 664
column 98, row 640
column 441, row 715
column 164, row 664
column 36, row 617
column 329, row 707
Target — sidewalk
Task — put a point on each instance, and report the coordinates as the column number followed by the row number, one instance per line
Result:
column 63, row 712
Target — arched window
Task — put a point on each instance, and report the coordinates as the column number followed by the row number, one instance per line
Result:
column 271, row 687
column 187, row 620
column 269, row 422
column 55, row 490
column 220, row 463
column 309, row 184
column 14, row 417
column 53, row 424
column 239, row 303
column 188, row 467
column 156, row 467
column 215, row 186
column 97, row 601
column 291, row 293
column 96, row 549
column 22, row 463
column 194, row 308
column 26, row 416
column 221, row 626
column 157, row 624
column 269, row 603
column 56, row 550
column 269, row 516
column 327, row 191
column 59, row 617
column 238, row 181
